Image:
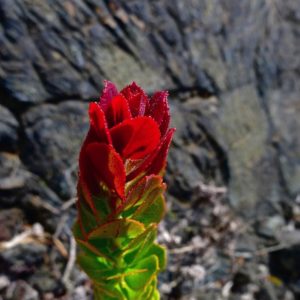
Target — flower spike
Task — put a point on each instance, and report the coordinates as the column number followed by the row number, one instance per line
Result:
column 121, row 193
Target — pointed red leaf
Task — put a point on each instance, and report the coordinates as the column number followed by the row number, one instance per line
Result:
column 84, row 194
column 152, row 209
column 165, row 122
column 155, row 163
column 159, row 110
column 86, row 175
column 131, row 90
column 160, row 160
column 100, row 163
column 137, row 99
column 138, row 104
column 135, row 138
column 98, row 129
column 108, row 93
column 142, row 188
column 117, row 111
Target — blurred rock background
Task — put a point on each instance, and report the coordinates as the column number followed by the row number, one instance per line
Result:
column 232, row 69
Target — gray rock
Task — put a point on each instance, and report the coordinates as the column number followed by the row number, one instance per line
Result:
column 53, row 136
column 269, row 227
column 8, row 130
column 4, row 282
column 11, row 222
column 20, row 188
column 45, row 283
column 285, row 114
column 21, row 290
column 195, row 156
column 13, row 177
column 23, row 259
column 65, row 53
column 284, row 264
column 80, row 293
column 242, row 129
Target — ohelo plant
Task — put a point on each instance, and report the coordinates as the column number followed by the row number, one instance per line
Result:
column 121, row 193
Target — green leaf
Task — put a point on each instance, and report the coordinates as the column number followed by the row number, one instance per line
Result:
column 112, row 237
column 139, row 193
column 155, row 295
column 97, row 268
column 77, row 230
column 90, row 248
column 149, row 294
column 102, row 206
column 160, row 252
column 86, row 217
column 117, row 228
column 105, row 292
column 152, row 210
column 144, row 271
column 144, row 294
column 138, row 246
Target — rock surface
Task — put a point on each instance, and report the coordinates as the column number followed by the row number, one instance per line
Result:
column 51, row 143
column 232, row 69
column 8, row 130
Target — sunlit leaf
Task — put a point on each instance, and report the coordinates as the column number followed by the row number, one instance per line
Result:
column 160, row 252
column 139, row 277
column 152, row 210
column 114, row 236
column 140, row 245
column 140, row 191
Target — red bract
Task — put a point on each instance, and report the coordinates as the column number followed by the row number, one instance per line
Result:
column 129, row 138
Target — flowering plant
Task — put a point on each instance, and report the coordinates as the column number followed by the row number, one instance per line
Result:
column 120, row 192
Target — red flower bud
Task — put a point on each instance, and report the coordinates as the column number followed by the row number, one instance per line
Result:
column 128, row 137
